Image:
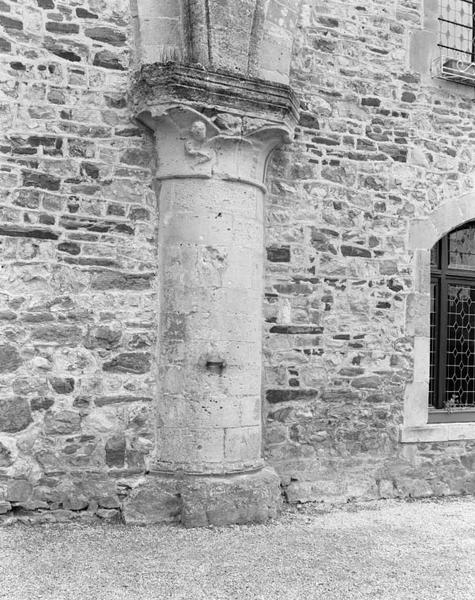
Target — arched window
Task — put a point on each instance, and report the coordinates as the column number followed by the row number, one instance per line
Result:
column 452, row 327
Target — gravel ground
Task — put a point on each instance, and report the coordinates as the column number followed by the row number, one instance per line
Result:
column 384, row 551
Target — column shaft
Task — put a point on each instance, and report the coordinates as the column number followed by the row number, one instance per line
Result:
column 211, row 257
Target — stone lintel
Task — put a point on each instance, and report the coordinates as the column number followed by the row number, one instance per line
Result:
column 215, row 91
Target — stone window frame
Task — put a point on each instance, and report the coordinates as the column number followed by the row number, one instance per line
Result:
column 425, row 56
column 423, row 234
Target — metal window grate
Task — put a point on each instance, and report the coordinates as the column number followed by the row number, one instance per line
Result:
column 456, row 41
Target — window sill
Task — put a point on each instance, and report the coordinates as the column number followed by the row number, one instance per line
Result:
column 458, row 71
column 437, row 432
column 456, row 416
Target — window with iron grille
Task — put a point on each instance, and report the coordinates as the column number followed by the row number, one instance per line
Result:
column 456, row 41
column 452, row 327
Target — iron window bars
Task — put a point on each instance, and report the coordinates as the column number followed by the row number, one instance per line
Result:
column 452, row 327
column 456, row 61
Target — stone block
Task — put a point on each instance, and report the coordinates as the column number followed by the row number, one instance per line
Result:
column 203, row 501
column 115, row 451
column 75, row 502
column 128, row 362
column 109, row 515
column 191, row 445
column 416, row 403
column 19, row 490
column 422, row 234
column 208, row 409
column 6, row 455
column 155, row 500
column 5, row 507
column 417, row 315
column 107, row 35
column 15, row 414
column 62, row 385
column 62, row 422
column 421, row 359
column 466, row 205
column 242, row 443
column 10, row 359
column 108, row 502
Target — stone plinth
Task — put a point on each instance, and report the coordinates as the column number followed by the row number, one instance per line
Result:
column 202, row 501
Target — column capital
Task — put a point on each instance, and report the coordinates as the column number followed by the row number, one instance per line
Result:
column 213, row 125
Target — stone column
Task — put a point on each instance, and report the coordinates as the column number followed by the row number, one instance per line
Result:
column 210, row 169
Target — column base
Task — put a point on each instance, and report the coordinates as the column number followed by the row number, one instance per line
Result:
column 198, row 501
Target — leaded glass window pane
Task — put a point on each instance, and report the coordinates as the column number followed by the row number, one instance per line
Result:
column 462, row 248
column 460, row 358
column 452, row 321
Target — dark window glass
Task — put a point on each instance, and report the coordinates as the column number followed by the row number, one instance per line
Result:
column 434, row 256
column 462, row 248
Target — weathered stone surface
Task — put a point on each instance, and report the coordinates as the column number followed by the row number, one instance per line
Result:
column 19, row 490
column 382, row 156
column 156, row 500
column 15, row 414
column 104, row 337
column 128, row 362
column 276, row 396
column 70, row 248
column 6, row 458
column 69, row 335
column 82, row 13
column 70, row 269
column 109, row 502
column 107, row 400
column 203, row 501
column 278, row 254
column 41, row 403
column 107, row 280
column 107, row 35
column 41, row 180
column 10, row 358
column 10, row 23
column 109, row 60
column 5, row 507
column 115, row 451
column 61, row 422
column 75, row 502
column 64, row 28
column 62, row 385
column 109, row 515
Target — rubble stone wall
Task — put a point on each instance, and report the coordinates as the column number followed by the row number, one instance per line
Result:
column 380, row 143
column 77, row 271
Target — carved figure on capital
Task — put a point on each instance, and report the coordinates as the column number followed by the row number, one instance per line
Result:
column 195, row 145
